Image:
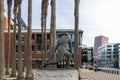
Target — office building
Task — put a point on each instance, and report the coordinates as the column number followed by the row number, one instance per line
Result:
column 99, row 40
column 87, row 56
column 106, row 55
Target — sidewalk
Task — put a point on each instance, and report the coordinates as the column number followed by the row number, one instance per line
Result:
column 86, row 75
column 98, row 75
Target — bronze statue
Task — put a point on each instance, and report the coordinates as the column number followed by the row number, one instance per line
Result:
column 61, row 53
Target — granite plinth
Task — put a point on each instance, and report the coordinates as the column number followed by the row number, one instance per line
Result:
column 56, row 74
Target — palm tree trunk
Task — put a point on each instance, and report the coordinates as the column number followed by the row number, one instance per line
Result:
column 13, row 72
column 53, row 27
column 2, row 57
column 20, row 64
column 43, row 27
column 9, row 2
column 76, row 15
column 29, row 73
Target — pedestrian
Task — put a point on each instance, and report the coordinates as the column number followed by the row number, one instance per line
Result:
column 95, row 66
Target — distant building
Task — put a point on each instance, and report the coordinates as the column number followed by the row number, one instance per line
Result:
column 87, row 56
column 117, row 56
column 108, row 55
column 99, row 40
column 105, row 55
column 6, row 22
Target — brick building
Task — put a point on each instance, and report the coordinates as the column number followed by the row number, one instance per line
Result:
column 6, row 22
column 99, row 40
column 36, row 44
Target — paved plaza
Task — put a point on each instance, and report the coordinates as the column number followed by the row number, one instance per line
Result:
column 88, row 75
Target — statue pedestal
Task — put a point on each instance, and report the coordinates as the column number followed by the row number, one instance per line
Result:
column 56, row 74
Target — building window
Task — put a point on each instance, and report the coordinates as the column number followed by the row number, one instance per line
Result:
column 33, row 36
column 16, row 36
column 108, row 45
column 108, row 56
column 33, row 48
column 108, row 52
column 72, row 37
column 108, row 49
column 16, row 48
column 58, row 36
column 22, row 48
column 22, row 37
column 48, row 36
column 39, row 38
column 38, row 49
column 47, row 47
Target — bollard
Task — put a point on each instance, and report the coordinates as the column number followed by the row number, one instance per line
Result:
column 117, row 72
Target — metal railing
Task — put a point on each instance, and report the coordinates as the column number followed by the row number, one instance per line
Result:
column 110, row 70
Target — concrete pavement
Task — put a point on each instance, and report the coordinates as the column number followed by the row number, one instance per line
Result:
column 98, row 75
column 89, row 75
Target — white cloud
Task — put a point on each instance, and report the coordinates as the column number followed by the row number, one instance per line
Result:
column 97, row 17
column 100, row 17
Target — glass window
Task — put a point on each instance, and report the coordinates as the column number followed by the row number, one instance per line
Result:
column 16, row 48
column 33, row 36
column 58, row 36
column 39, row 38
column 108, row 49
column 22, row 48
column 108, row 45
column 47, row 47
column 72, row 37
column 33, row 48
column 38, row 48
column 48, row 36
column 22, row 37
column 16, row 36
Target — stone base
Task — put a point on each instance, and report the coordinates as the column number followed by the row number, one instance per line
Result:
column 51, row 67
column 57, row 74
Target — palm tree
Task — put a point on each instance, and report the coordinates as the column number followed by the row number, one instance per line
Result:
column 76, row 15
column 43, row 26
column 2, row 57
column 9, row 3
column 29, row 73
column 13, row 72
column 20, row 64
column 53, row 27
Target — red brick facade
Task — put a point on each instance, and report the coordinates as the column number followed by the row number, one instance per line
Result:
column 36, row 55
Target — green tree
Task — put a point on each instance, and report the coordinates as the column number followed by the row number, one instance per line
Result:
column 2, row 57
column 9, row 3
column 13, row 72
column 20, row 63
column 29, row 73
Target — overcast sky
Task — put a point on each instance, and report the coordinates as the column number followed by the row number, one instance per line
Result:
column 97, row 17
